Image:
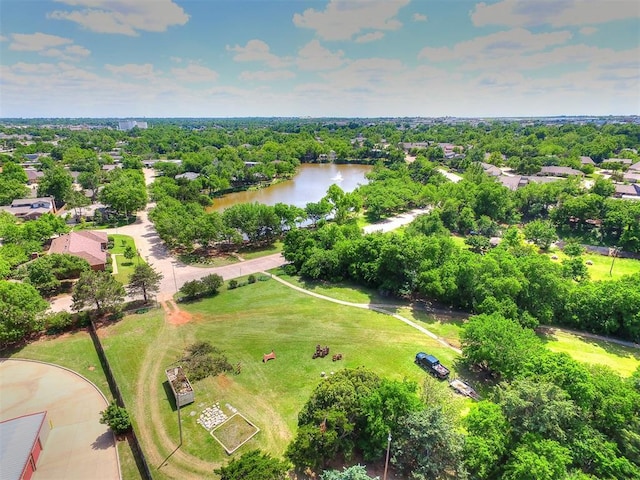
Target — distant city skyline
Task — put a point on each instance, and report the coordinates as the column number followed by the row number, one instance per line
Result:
column 136, row 59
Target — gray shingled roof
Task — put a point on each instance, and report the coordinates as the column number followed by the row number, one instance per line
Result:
column 17, row 437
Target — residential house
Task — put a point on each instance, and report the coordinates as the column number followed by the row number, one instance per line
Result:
column 635, row 167
column 191, row 176
column 513, row 182
column 31, row 208
column 33, row 175
column 553, row 171
column 491, row 170
column 623, row 161
column 632, row 176
column 630, row 192
column 587, row 161
column 87, row 244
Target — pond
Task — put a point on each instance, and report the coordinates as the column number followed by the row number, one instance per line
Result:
column 310, row 184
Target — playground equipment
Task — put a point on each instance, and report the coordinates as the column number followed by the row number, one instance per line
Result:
column 320, row 352
column 268, row 356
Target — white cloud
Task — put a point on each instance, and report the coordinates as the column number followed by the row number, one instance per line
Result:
column 125, row 17
column 419, row 17
column 501, row 44
column 524, row 13
column 36, row 42
column 342, row 19
column 369, row 37
column 257, row 51
column 69, row 53
column 267, row 76
column 3, row 38
column 132, row 70
column 176, row 59
column 315, row 57
column 588, row 30
column 195, row 73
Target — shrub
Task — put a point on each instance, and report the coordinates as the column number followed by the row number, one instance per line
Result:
column 58, row 322
column 117, row 418
column 251, row 279
column 233, row 283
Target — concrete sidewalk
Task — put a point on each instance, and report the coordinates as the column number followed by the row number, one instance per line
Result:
column 78, row 447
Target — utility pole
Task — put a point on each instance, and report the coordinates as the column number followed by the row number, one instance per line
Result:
column 386, row 462
column 179, row 421
column 615, row 252
column 173, row 269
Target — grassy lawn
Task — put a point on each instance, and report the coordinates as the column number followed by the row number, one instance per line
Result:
column 246, row 323
column 251, row 253
column 602, row 264
column 346, row 291
column 621, row 359
column 76, row 352
column 125, row 266
column 207, row 261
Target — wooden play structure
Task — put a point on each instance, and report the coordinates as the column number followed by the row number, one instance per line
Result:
column 268, row 356
column 320, row 352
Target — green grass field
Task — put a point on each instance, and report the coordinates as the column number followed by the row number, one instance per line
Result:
column 251, row 253
column 601, row 265
column 125, row 266
column 246, row 323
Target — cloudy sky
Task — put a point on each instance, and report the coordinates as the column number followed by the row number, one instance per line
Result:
column 348, row 58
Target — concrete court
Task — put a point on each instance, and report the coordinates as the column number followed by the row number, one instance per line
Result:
column 78, row 447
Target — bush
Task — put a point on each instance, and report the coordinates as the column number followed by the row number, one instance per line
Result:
column 58, row 322
column 251, row 279
column 233, row 283
column 117, row 418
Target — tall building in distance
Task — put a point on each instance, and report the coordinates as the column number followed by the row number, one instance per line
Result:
column 125, row 125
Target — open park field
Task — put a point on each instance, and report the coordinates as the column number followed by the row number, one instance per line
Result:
column 246, row 323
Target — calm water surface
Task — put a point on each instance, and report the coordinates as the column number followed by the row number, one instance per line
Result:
column 310, row 184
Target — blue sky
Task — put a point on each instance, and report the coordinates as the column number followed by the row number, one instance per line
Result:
column 347, row 58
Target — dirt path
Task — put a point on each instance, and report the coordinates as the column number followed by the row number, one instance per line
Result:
column 158, row 446
column 376, row 308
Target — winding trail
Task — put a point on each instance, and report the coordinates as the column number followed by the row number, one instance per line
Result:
column 380, row 308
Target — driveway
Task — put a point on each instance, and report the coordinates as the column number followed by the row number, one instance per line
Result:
column 78, row 447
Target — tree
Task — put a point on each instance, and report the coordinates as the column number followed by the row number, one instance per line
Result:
column 355, row 472
column 540, row 232
column 538, row 458
column 117, row 418
column 129, row 253
column 496, row 344
column 144, row 280
column 57, row 183
column 98, row 288
column 21, row 305
column 573, row 249
column 426, row 445
column 487, row 440
column 77, row 201
column 126, row 193
column 254, row 465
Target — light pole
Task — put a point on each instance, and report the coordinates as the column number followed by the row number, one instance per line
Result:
column 173, row 269
column 615, row 252
column 179, row 421
column 386, row 462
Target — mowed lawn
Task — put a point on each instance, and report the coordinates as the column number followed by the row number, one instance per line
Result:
column 601, row 265
column 125, row 266
column 248, row 322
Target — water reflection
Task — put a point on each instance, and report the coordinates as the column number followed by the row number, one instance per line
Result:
column 309, row 185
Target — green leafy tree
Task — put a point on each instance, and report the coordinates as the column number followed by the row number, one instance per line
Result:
column 57, row 183
column 254, row 465
column 117, row 418
column 355, row 472
column 487, row 441
column 144, row 280
column 426, row 445
column 99, row 289
column 541, row 232
column 573, row 249
column 126, row 193
column 77, row 201
column 537, row 458
column 129, row 253
column 21, row 306
column 497, row 344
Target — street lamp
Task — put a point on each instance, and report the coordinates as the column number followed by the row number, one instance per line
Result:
column 173, row 269
column 386, row 462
